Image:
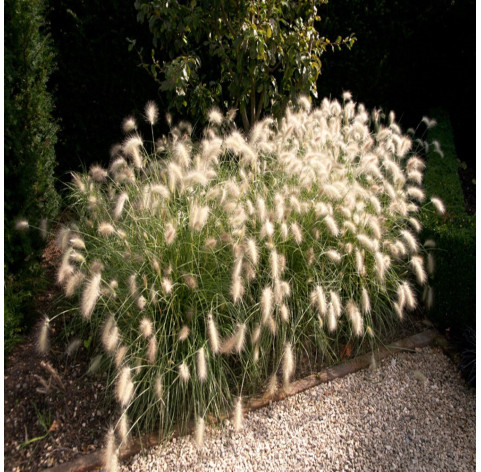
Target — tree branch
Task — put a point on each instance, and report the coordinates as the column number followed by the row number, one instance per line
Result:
column 273, row 69
column 245, row 119
column 253, row 101
column 226, row 19
column 260, row 105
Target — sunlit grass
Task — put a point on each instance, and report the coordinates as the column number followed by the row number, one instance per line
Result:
column 250, row 252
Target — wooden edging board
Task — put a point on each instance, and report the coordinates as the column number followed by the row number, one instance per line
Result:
column 94, row 460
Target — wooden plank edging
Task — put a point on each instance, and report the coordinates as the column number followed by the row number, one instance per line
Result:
column 94, row 461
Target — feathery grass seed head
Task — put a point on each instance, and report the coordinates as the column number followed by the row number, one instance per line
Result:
column 287, row 364
column 73, row 283
column 237, row 420
column 266, row 304
column 152, row 350
column 184, row 372
column 417, row 266
column 318, row 299
column 213, row 334
column 167, row 285
column 438, row 204
column 125, row 387
column 124, row 427
column 355, row 317
column 120, row 356
column 409, row 295
column 129, row 124
column 106, row 229
column 199, row 432
column 296, row 233
column 119, row 206
column 43, row 343
column 159, row 386
column 336, row 303
column 151, row 112
column 331, row 318
column 272, row 385
column 201, row 365
column 334, row 256
column 365, row 301
column 284, row 312
column 184, row 333
column 141, row 303
column 110, row 335
column 110, row 453
column 90, row 295
column 430, row 264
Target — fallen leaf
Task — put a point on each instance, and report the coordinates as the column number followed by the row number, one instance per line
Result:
column 345, row 351
column 55, row 425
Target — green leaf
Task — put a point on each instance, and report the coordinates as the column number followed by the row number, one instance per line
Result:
column 87, row 343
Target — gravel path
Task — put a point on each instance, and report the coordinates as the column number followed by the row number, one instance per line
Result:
column 411, row 413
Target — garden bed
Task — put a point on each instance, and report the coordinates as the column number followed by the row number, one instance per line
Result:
column 54, row 409
column 76, row 426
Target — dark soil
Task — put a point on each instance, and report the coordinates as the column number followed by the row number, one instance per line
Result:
column 52, row 409
column 74, row 421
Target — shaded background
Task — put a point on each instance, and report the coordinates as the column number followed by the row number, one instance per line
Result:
column 410, row 56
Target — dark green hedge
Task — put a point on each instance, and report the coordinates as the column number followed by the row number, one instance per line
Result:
column 30, row 136
column 30, row 131
column 454, row 281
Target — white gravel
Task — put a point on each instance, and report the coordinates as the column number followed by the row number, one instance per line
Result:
column 411, row 413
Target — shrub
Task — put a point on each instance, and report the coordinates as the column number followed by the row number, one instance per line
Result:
column 30, row 131
column 12, row 323
column 253, row 56
column 206, row 270
column 455, row 233
column 30, row 136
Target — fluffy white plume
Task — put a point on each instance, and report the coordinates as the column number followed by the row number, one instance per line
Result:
column 288, row 364
column 266, row 304
column 213, row 334
column 318, row 299
column 125, row 387
column 201, row 365
column 237, row 419
column 355, row 317
column 90, row 295
column 438, row 204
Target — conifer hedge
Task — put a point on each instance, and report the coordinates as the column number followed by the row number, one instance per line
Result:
column 30, row 136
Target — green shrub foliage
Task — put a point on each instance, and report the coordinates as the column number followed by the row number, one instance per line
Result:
column 30, row 136
column 454, row 282
column 30, row 132
column 203, row 271
column 252, row 55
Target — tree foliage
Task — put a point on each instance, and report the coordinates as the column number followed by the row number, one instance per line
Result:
column 252, row 55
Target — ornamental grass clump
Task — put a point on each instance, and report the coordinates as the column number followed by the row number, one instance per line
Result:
column 204, row 271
